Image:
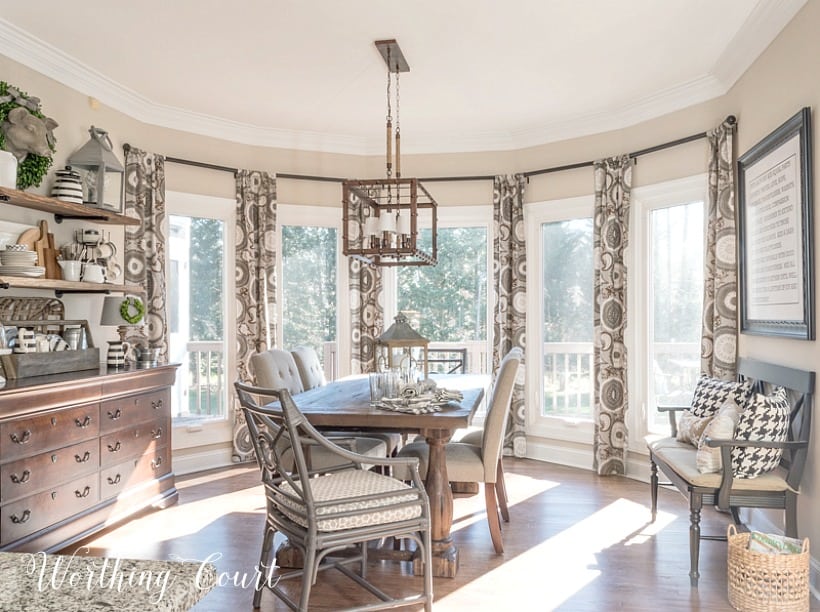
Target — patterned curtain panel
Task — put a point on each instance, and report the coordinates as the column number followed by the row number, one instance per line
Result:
column 145, row 244
column 366, row 300
column 719, row 338
column 255, row 282
column 613, row 184
column 510, row 279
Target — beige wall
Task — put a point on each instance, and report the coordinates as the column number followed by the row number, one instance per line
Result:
column 780, row 82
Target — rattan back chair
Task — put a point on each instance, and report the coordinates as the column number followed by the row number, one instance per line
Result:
column 324, row 511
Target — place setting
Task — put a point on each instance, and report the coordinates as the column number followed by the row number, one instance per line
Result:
column 423, row 397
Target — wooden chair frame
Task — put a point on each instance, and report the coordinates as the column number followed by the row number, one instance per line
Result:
column 727, row 497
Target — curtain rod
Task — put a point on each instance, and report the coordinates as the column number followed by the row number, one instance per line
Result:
column 731, row 120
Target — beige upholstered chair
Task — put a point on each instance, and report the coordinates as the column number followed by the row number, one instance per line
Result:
column 309, row 366
column 322, row 512
column 482, row 462
column 276, row 369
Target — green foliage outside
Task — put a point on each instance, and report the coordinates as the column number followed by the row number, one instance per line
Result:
column 448, row 302
column 309, row 256
column 567, row 281
column 205, row 258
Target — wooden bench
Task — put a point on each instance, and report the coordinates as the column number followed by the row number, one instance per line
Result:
column 777, row 489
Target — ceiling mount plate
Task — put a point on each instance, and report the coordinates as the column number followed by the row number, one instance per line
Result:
column 399, row 64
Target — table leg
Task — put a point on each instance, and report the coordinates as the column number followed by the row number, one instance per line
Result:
column 445, row 553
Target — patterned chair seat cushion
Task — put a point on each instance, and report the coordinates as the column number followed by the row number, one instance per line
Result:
column 349, row 488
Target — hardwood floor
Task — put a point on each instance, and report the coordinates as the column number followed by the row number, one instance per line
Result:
column 575, row 542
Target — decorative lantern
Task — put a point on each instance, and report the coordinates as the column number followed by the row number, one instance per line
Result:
column 103, row 174
column 403, row 347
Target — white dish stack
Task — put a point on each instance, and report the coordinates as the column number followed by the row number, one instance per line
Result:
column 17, row 260
column 68, row 186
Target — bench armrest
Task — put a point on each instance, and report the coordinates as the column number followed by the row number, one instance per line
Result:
column 727, row 474
column 670, row 412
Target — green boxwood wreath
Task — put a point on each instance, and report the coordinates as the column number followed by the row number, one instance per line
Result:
column 32, row 170
column 132, row 310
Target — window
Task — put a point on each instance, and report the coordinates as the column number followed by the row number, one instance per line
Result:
column 560, row 282
column 668, row 298
column 196, row 252
column 447, row 303
column 310, row 258
column 200, row 308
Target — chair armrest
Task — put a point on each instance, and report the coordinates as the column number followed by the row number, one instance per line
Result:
column 670, row 412
column 727, row 474
column 412, row 463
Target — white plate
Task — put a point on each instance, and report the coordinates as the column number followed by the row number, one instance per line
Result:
column 32, row 271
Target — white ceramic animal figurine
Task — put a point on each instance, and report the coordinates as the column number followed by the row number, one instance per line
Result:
column 25, row 133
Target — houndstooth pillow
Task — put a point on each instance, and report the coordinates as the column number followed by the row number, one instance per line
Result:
column 711, row 393
column 765, row 418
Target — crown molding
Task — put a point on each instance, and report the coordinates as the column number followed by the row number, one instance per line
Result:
column 765, row 22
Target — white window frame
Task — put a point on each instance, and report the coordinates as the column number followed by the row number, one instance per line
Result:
column 211, row 431
column 318, row 216
column 535, row 215
column 645, row 200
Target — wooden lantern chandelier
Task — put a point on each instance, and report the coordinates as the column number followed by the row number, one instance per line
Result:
column 383, row 218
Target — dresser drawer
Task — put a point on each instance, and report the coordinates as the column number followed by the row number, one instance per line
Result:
column 131, row 473
column 26, row 476
column 19, row 519
column 124, row 412
column 28, row 436
column 133, row 441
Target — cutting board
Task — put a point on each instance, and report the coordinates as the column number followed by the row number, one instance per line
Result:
column 29, row 237
column 46, row 253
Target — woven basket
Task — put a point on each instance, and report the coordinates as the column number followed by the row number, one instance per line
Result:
column 764, row 582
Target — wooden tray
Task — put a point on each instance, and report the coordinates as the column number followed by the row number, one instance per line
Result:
column 23, row 365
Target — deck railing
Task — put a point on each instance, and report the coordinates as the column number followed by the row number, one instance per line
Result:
column 206, row 378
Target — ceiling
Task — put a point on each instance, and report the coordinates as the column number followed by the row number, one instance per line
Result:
column 305, row 74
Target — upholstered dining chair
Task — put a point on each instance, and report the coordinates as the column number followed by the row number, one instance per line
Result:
column 324, row 512
column 277, row 369
column 469, row 462
column 309, row 367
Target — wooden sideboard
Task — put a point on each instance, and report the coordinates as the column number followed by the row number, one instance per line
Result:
column 80, row 451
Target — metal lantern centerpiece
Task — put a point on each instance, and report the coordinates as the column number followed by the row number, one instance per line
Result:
column 402, row 347
column 384, row 218
column 103, row 174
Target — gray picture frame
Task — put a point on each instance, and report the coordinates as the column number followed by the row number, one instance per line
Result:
column 775, row 233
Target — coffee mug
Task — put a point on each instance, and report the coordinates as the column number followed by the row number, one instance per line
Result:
column 72, row 269
column 93, row 273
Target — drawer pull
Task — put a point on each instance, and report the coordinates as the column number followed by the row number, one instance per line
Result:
column 22, row 439
column 115, row 415
column 21, row 479
column 84, row 492
column 115, row 448
column 84, row 423
column 21, row 519
column 156, row 433
column 157, row 405
column 115, row 480
column 86, row 456
column 155, row 463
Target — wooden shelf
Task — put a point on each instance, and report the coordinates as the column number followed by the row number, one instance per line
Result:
column 63, row 210
column 50, row 284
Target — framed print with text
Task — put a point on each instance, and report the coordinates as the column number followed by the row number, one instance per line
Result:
column 775, row 231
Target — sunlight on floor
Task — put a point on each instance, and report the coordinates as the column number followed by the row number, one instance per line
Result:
column 567, row 560
column 188, row 518
column 469, row 510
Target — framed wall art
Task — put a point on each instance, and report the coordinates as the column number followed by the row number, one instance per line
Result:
column 775, row 231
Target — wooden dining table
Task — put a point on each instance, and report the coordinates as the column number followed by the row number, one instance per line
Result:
column 345, row 404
